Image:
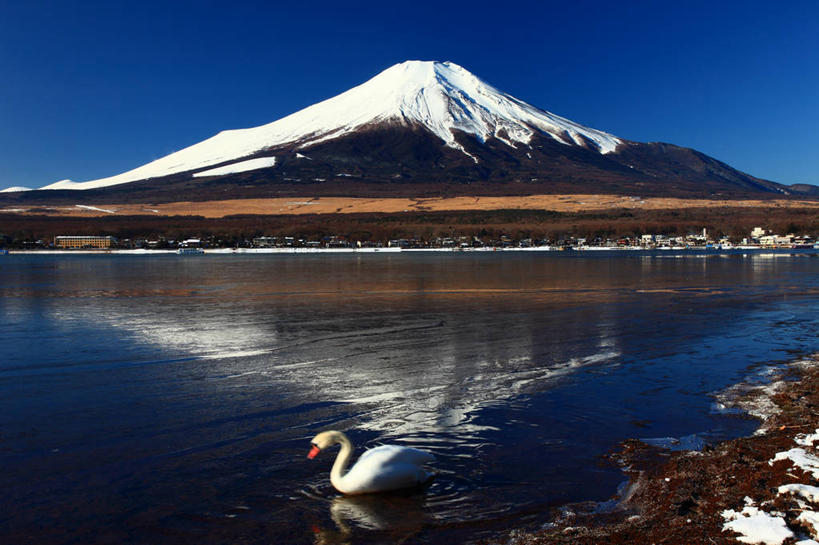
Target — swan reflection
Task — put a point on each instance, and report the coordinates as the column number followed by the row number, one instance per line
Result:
column 402, row 515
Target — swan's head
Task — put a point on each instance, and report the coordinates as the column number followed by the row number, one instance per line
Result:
column 324, row 440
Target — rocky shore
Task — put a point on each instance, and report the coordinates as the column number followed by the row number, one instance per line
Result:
column 759, row 489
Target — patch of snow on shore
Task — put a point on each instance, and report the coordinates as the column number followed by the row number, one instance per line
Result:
column 754, row 400
column 241, row 166
column 756, row 526
column 806, row 491
column 807, row 439
column 803, row 460
column 807, row 496
column 810, row 519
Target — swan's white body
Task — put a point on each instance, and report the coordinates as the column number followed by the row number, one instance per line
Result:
column 388, row 467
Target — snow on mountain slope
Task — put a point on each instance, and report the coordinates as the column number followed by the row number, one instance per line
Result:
column 241, row 166
column 440, row 96
column 15, row 188
column 71, row 184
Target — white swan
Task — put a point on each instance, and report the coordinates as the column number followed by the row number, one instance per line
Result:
column 388, row 467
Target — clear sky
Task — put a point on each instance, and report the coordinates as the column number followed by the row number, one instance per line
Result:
column 91, row 89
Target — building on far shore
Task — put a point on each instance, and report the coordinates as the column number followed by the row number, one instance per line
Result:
column 191, row 243
column 84, row 241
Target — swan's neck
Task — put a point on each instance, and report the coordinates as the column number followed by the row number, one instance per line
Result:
column 342, row 460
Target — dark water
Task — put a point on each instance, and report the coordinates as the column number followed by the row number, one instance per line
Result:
column 172, row 399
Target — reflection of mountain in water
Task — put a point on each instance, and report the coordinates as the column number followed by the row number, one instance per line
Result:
column 414, row 346
column 409, row 374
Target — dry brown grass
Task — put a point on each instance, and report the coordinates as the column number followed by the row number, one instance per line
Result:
column 352, row 205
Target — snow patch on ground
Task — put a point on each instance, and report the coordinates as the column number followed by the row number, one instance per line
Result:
column 807, row 439
column 758, row 403
column 86, row 207
column 806, row 491
column 753, row 397
column 811, row 520
column 15, row 188
column 756, row 526
column 803, row 460
column 241, row 166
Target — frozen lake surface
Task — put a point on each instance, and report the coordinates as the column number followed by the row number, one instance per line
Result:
column 171, row 399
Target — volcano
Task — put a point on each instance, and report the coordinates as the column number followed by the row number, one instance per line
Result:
column 423, row 128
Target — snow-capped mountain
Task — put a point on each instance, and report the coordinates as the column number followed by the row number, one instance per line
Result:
column 412, row 129
column 440, row 96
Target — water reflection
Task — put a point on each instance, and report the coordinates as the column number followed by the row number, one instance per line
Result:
column 378, row 512
column 424, row 351
column 422, row 376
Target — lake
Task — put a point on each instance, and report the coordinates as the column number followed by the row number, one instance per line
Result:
column 172, row 399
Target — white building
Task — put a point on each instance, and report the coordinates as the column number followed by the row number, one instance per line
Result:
column 758, row 232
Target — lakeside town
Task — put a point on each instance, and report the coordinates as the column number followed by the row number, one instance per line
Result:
column 758, row 238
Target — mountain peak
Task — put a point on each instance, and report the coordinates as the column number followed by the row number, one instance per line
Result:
column 421, row 72
column 444, row 97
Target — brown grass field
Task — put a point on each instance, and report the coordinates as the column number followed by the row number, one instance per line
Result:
column 355, row 205
column 549, row 217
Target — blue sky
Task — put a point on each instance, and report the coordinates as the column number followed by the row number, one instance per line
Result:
column 91, row 89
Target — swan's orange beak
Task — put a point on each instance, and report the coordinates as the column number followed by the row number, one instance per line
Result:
column 313, row 452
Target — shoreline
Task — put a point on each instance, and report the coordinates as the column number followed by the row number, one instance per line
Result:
column 392, row 250
column 762, row 488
